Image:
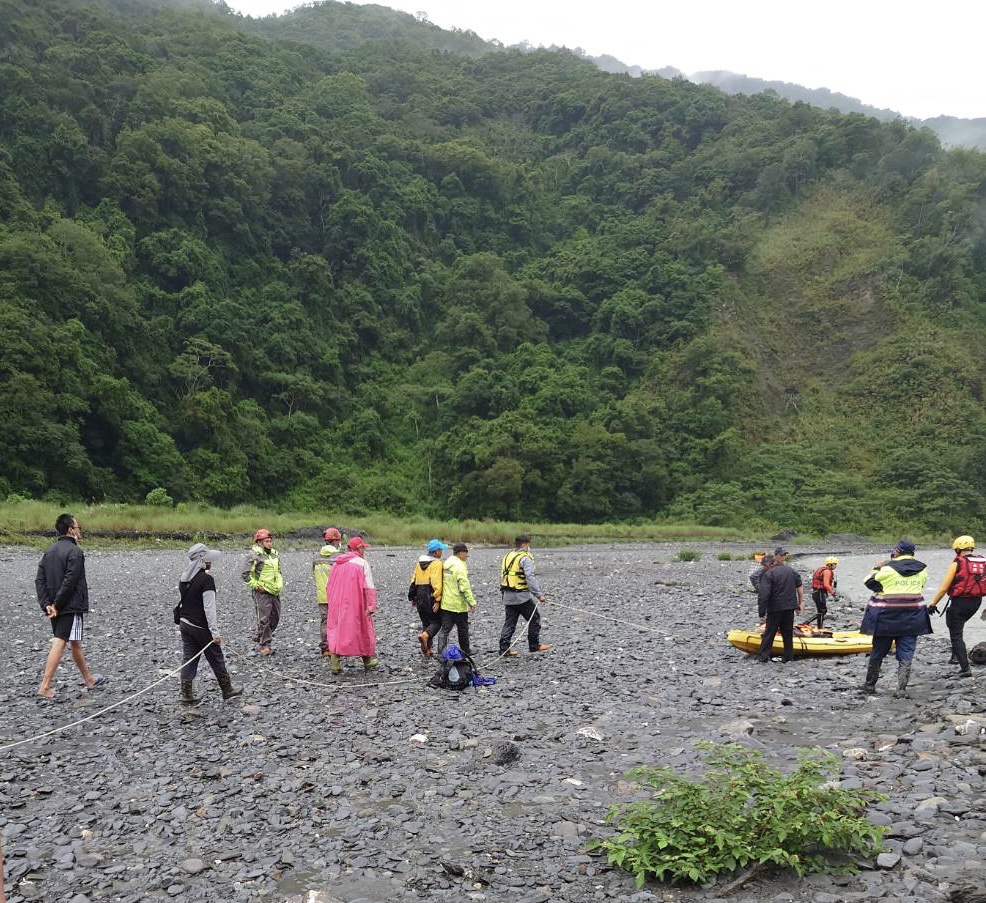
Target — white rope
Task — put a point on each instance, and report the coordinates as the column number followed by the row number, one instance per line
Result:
column 103, row 711
column 314, row 683
column 596, row 614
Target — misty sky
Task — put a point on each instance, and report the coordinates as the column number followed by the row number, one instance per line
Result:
column 921, row 64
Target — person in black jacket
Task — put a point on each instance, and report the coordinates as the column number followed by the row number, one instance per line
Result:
column 63, row 595
column 198, row 623
column 780, row 596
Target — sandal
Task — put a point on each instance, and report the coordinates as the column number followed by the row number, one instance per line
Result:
column 50, row 694
column 98, row 682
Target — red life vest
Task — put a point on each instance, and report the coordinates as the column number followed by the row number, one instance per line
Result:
column 817, row 579
column 970, row 577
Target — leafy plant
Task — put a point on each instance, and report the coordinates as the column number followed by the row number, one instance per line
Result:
column 159, row 498
column 743, row 812
column 689, row 555
column 725, row 556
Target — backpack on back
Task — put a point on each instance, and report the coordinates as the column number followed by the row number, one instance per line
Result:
column 970, row 577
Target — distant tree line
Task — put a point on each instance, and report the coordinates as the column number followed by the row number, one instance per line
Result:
column 388, row 275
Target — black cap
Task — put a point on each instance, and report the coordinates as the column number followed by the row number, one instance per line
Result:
column 459, row 547
column 780, row 551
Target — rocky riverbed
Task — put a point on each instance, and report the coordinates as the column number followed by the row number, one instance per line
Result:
column 312, row 783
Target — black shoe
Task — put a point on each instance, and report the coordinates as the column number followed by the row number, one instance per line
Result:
column 964, row 674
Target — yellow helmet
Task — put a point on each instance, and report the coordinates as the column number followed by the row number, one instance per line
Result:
column 832, row 561
column 963, row 542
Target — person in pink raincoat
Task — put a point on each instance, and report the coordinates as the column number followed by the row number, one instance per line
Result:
column 352, row 600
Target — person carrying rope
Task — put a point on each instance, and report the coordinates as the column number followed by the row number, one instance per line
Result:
column 519, row 588
column 198, row 624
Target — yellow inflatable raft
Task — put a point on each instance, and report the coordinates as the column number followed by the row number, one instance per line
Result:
column 838, row 642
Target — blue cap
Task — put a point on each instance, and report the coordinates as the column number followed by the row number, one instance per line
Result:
column 436, row 545
column 906, row 547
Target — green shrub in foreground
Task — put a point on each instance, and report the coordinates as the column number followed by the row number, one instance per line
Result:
column 742, row 813
column 689, row 555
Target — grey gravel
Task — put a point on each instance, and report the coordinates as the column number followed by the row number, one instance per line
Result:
column 312, row 785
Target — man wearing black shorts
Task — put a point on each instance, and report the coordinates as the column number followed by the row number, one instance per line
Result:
column 64, row 597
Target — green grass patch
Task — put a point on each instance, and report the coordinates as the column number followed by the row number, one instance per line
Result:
column 27, row 522
column 689, row 555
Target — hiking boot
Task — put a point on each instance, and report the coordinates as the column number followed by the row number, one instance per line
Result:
column 903, row 675
column 425, row 640
column 542, row 648
column 370, row 662
column 188, row 696
column 229, row 691
column 336, row 663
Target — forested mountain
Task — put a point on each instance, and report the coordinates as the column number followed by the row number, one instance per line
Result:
column 394, row 277
column 952, row 131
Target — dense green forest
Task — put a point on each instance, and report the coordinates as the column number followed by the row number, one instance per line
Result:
column 386, row 273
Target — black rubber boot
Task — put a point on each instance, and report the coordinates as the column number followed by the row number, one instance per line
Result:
column 903, row 675
column 188, row 696
column 872, row 676
column 229, row 691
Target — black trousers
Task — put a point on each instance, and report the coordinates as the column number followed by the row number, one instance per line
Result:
column 533, row 618
column 460, row 621
column 960, row 609
column 193, row 640
column 783, row 621
column 820, row 598
column 431, row 621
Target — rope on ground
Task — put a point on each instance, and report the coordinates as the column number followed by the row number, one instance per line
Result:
column 105, row 709
column 596, row 614
column 314, row 683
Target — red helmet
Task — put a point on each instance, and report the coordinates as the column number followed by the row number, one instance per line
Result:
column 331, row 534
column 262, row 534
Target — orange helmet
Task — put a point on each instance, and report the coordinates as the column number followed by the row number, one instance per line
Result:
column 331, row 534
column 262, row 534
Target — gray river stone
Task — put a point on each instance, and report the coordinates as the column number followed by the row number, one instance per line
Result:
column 309, row 786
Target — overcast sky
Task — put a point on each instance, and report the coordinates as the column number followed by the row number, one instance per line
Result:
column 921, row 63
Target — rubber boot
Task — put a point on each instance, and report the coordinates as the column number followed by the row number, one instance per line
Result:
column 226, row 685
column 872, row 676
column 903, row 675
column 369, row 662
column 188, row 696
column 335, row 664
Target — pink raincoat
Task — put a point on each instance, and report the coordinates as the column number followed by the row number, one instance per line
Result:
column 350, row 594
